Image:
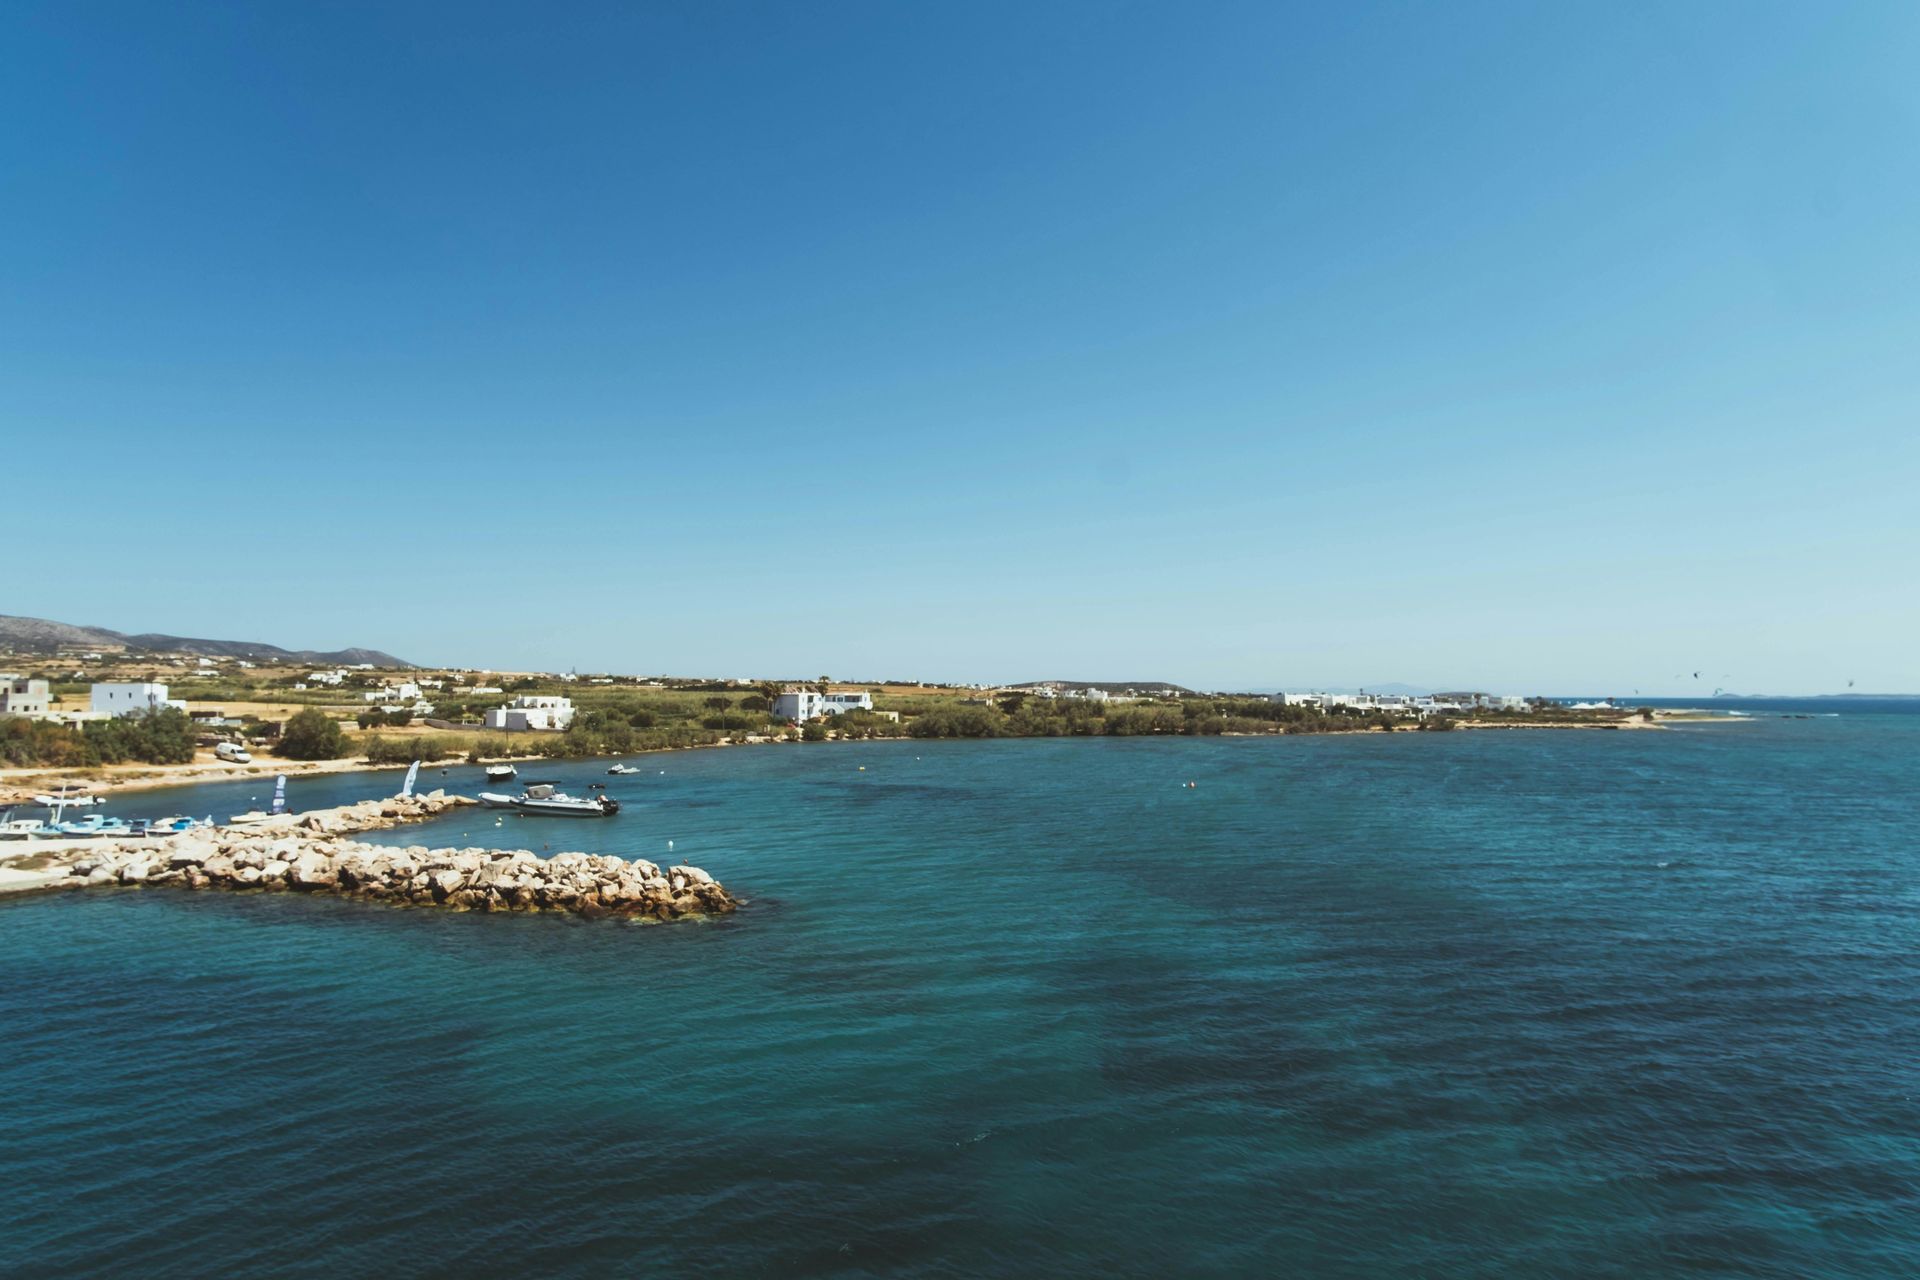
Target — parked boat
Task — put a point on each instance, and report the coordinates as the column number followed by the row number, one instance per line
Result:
column 140, row 827
column 12, row 828
column 95, row 824
column 254, row 816
column 621, row 768
column 501, row 773
column 544, row 798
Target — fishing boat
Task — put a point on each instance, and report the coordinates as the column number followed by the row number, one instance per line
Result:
column 95, row 824
column 12, row 828
column 501, row 773
column 544, row 798
column 147, row 827
column 622, row 768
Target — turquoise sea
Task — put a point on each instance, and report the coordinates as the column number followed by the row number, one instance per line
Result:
column 1474, row 1004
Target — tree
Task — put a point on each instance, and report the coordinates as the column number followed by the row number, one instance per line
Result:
column 719, row 703
column 312, row 735
column 170, row 736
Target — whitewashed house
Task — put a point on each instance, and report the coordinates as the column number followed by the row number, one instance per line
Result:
column 809, row 704
column 132, row 699
column 20, row 696
column 529, row 712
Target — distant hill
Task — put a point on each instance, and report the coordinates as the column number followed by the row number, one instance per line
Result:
column 38, row 635
column 1114, row 686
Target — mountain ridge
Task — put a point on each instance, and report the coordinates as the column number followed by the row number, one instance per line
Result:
column 46, row 635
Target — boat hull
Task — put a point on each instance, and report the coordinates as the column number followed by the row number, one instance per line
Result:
column 603, row 808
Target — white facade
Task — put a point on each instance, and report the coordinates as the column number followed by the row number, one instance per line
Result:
column 807, row 704
column 552, row 714
column 23, row 697
column 132, row 699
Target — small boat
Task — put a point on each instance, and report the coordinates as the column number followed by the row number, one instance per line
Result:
column 95, row 824
column 163, row 827
column 543, row 798
column 12, row 828
column 254, row 816
column 501, row 773
column 68, row 800
column 622, row 768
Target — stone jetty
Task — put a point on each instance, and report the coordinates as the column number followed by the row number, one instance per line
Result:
column 315, row 853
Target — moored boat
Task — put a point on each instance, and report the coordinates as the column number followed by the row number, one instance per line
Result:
column 544, row 798
column 165, row 826
column 12, row 828
column 501, row 773
column 95, row 824
column 622, row 767
column 254, row 816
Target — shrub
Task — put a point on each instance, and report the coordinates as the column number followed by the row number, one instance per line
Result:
column 312, row 735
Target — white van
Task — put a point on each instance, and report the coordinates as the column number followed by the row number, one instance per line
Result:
column 232, row 753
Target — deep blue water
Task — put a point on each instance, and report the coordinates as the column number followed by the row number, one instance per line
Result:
column 1526, row 1003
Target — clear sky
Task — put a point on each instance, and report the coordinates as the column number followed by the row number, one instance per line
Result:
column 1528, row 347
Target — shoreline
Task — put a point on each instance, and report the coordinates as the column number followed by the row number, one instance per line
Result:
column 22, row 781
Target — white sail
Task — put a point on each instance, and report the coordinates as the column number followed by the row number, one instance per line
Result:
column 279, row 794
column 413, row 773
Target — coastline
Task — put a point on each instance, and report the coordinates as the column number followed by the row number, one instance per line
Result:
column 147, row 777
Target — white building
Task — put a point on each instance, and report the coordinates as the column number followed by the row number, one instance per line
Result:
column 20, row 696
column 808, row 704
column 532, row 713
column 132, row 699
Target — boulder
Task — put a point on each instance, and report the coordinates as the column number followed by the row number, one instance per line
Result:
column 311, row 870
column 190, row 854
column 695, row 874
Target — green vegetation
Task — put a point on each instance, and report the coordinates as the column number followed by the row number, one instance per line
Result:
column 164, row 736
column 422, row 746
column 312, row 735
column 1017, row 716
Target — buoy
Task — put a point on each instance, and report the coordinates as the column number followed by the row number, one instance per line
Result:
column 863, row 768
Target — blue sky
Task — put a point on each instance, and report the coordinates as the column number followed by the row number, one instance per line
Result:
column 1526, row 347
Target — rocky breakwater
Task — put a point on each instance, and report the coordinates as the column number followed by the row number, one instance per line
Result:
column 314, row 853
